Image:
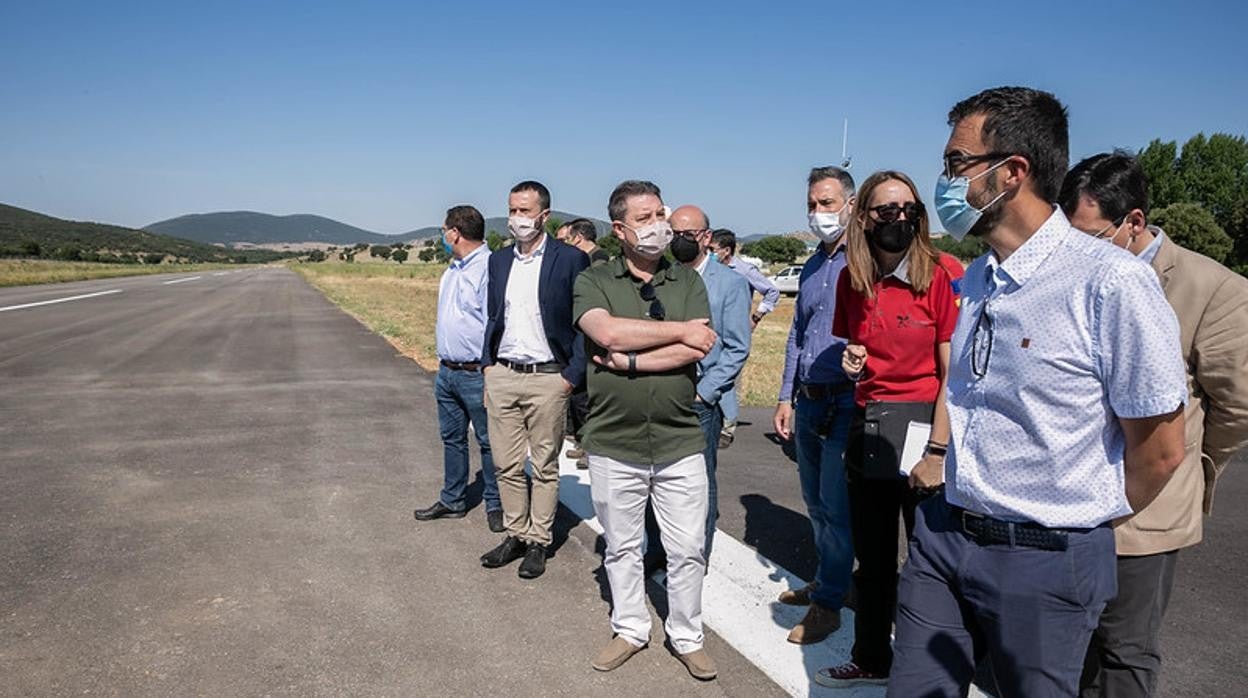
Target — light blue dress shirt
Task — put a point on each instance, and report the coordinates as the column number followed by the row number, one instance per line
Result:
column 1081, row 336
column 758, row 282
column 460, row 327
column 1148, row 254
column 812, row 355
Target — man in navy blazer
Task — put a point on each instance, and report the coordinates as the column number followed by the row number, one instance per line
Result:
column 533, row 358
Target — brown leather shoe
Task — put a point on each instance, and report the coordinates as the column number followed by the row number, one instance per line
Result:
column 617, row 651
column 819, row 623
column 699, row 664
column 798, row 597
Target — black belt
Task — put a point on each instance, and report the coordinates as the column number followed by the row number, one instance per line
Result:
column 461, row 365
column 986, row 530
column 547, row 367
column 823, row 391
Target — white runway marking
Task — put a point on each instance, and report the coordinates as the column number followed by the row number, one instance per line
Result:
column 178, row 281
column 221, row 273
column 739, row 604
column 60, row 300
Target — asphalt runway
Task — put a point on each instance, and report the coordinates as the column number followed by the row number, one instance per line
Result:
column 207, row 489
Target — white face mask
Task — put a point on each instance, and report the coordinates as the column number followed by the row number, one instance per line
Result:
column 827, row 226
column 652, row 239
column 523, row 228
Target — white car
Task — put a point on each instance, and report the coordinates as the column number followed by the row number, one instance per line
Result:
column 786, row 280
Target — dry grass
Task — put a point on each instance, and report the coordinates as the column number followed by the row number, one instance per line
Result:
column 26, row 272
column 400, row 303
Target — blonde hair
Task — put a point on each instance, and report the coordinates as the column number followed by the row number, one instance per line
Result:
column 921, row 258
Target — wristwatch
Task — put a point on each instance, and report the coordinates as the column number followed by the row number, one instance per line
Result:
column 757, row 317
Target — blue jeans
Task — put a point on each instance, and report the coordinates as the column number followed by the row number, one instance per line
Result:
column 460, row 396
column 821, row 430
column 728, row 405
column 711, row 419
column 1030, row 611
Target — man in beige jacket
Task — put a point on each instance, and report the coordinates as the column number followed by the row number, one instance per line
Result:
column 1106, row 195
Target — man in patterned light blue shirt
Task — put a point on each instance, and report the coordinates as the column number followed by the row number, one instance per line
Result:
column 1066, row 394
column 459, row 386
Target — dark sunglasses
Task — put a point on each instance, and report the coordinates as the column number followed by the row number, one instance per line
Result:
column 889, row 213
column 688, row 234
column 656, row 311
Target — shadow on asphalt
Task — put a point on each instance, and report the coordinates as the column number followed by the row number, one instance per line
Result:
column 779, row 534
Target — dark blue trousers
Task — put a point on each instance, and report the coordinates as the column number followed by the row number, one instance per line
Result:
column 1030, row 611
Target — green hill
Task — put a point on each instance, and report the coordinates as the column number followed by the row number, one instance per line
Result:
column 234, row 227
column 30, row 234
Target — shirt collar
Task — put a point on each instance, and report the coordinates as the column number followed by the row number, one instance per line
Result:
column 1022, row 265
column 1148, row 254
column 665, row 269
column 460, row 263
column 537, row 251
column 902, row 271
column 701, row 268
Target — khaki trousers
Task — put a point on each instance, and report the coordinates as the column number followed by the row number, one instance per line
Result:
column 527, row 413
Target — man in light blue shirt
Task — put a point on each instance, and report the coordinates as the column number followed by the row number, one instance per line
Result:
column 1065, row 396
column 815, row 408
column 459, row 386
column 729, row 296
column 724, row 249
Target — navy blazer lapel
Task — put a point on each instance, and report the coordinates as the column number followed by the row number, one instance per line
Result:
column 503, row 275
column 548, row 263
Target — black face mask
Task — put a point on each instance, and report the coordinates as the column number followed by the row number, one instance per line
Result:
column 684, row 250
column 892, row 237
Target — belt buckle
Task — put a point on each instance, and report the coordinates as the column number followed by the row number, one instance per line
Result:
column 967, row 517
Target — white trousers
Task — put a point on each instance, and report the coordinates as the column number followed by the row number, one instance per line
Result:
column 678, row 493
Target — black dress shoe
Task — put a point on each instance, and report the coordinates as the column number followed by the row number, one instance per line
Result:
column 534, row 562
column 438, row 511
column 510, row 549
column 495, row 519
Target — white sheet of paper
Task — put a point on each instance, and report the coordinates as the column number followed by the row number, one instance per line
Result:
column 917, row 434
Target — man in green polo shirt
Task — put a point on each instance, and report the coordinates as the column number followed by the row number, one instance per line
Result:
column 646, row 324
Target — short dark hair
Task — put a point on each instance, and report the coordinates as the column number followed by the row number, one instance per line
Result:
column 1027, row 122
column 543, row 194
column 818, row 174
column 1114, row 180
column 725, row 238
column 582, row 227
column 617, row 205
column 467, row 220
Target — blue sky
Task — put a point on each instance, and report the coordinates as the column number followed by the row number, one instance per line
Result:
column 382, row 115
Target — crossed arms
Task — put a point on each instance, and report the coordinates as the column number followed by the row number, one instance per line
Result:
column 659, row 345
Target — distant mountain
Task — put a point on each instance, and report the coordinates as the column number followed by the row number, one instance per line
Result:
column 34, row 234
column 252, row 228
column 233, row 227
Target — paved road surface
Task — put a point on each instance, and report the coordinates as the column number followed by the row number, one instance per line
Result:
column 208, row 489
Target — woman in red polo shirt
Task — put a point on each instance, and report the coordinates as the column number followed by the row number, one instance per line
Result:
column 897, row 304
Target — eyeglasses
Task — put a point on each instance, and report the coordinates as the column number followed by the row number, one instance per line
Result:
column 688, row 234
column 656, row 311
column 956, row 162
column 981, row 343
column 1113, row 226
column 888, row 213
